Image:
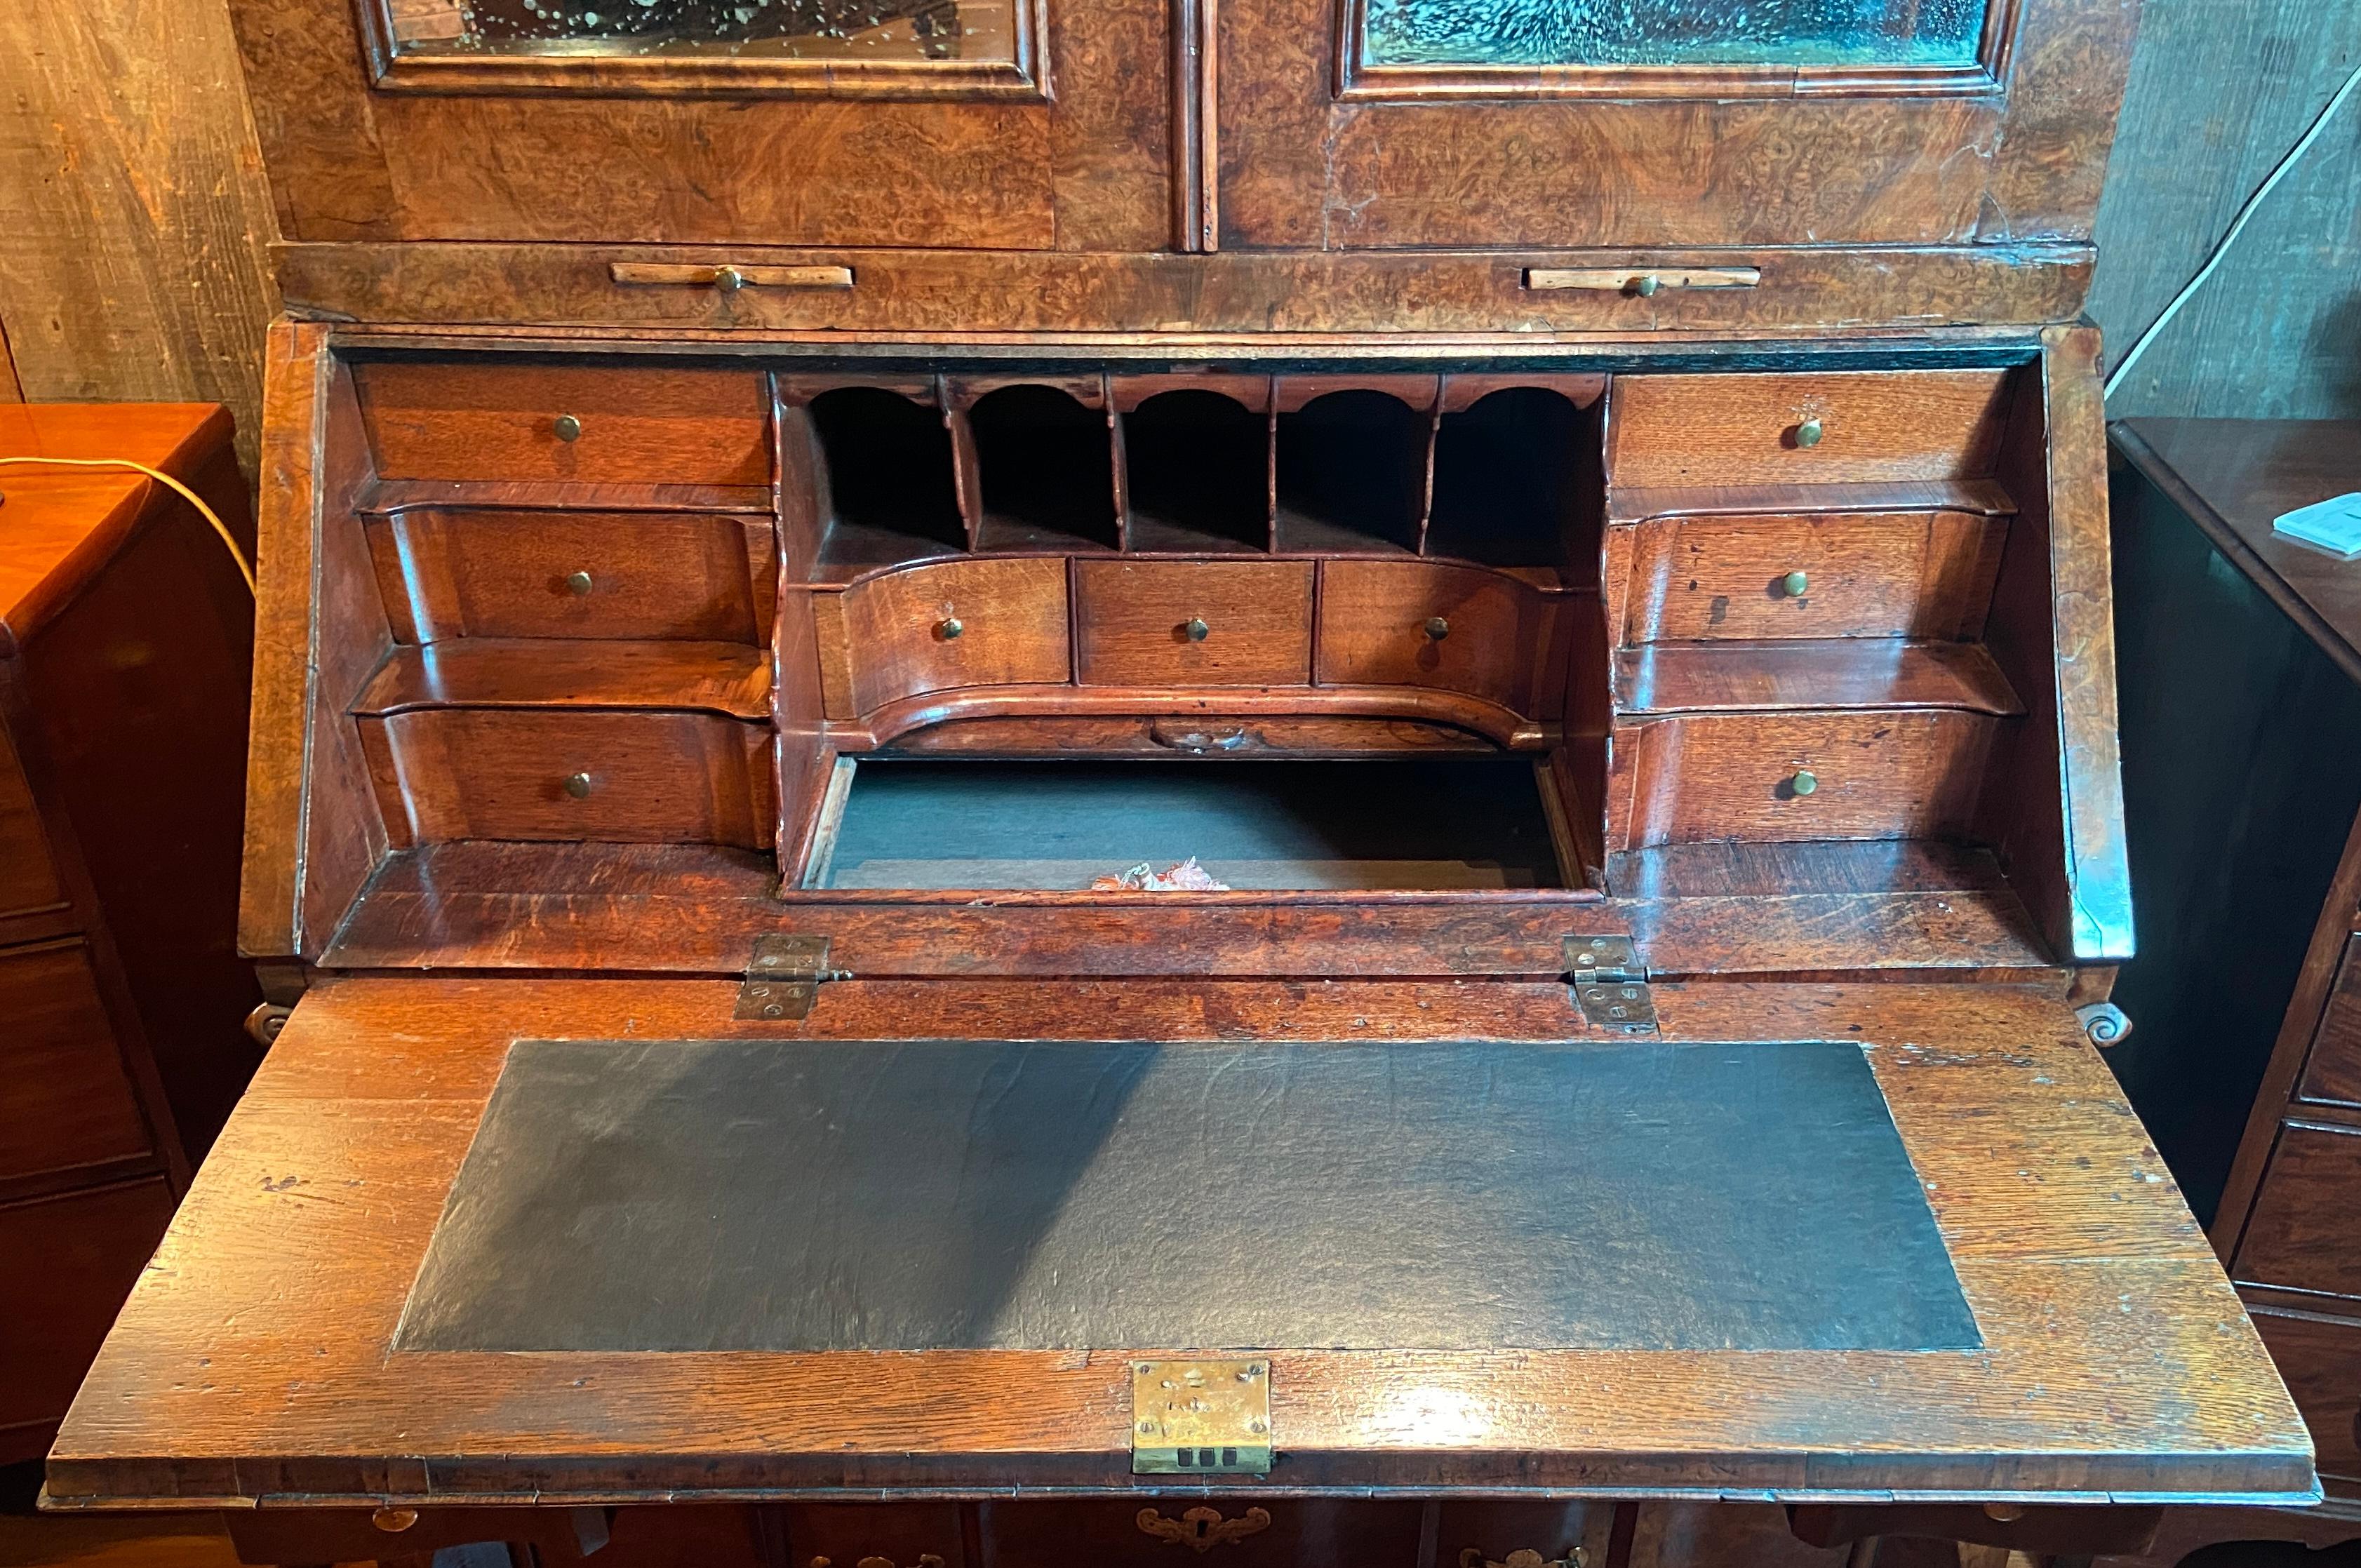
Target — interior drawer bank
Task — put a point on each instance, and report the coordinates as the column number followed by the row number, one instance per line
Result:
column 1781, row 777
column 565, row 422
column 448, row 572
column 444, row 773
column 941, row 625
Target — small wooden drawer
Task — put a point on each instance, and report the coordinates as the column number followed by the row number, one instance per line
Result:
column 581, row 423
column 65, row 1099
column 28, row 880
column 448, row 573
column 847, row 1535
column 69, row 1262
column 634, row 778
column 1193, row 623
column 2305, row 1231
column 1924, row 574
column 1416, row 624
column 1813, row 428
column 1162, row 1532
column 2333, row 1072
column 1778, row 777
column 942, row 626
column 2320, row 1360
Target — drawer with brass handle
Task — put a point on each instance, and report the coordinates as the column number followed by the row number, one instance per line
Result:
column 1459, row 629
column 1187, row 623
column 1795, row 776
column 447, row 773
column 1846, row 427
column 940, row 625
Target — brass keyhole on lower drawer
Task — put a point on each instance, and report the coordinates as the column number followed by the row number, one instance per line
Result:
column 566, row 427
column 579, row 786
column 1523, row 1557
column 1195, row 629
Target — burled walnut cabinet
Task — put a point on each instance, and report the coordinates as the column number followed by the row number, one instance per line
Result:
column 1308, row 782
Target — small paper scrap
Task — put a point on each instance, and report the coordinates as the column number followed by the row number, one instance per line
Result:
column 2333, row 526
column 1186, row 877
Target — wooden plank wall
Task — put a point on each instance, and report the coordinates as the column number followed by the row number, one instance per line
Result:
column 133, row 217
column 2219, row 90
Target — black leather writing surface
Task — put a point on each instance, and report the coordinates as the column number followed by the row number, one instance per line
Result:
column 791, row 1195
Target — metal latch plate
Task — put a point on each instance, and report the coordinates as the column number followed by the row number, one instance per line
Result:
column 1200, row 1417
column 782, row 977
column 1610, row 985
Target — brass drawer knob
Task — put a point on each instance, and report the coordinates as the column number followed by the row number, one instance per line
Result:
column 950, row 629
column 1202, row 1528
column 1647, row 285
column 728, row 279
column 578, row 786
column 1195, row 629
column 567, row 427
column 1808, row 434
column 578, row 583
column 1795, row 585
column 394, row 1520
column 1803, row 782
column 1437, row 629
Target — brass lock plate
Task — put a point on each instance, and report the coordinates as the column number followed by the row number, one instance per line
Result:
column 1200, row 1417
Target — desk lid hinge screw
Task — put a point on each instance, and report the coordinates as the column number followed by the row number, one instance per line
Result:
column 783, row 977
column 1610, row 985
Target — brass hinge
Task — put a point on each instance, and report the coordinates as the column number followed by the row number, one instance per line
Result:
column 783, row 977
column 1610, row 985
column 1200, row 1417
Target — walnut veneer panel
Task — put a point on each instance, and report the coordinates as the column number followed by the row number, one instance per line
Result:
column 1131, row 621
column 65, row 1099
column 1873, row 427
column 260, row 1342
column 1885, row 574
column 475, row 420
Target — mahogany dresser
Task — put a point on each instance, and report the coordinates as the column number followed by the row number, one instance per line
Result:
column 1312, row 781
column 126, row 637
column 2243, row 747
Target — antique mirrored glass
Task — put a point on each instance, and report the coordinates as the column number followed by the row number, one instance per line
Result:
column 1910, row 33
column 882, row 31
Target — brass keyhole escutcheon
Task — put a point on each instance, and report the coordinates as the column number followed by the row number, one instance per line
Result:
column 566, row 427
column 1803, row 782
column 578, row 583
column 1437, row 629
column 578, row 786
column 950, row 629
column 1523, row 1557
column 1195, row 629
column 1795, row 585
column 1808, row 434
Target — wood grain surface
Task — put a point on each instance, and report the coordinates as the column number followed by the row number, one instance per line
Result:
column 1013, row 623
column 1876, row 428
column 2333, row 1071
column 1503, row 640
column 2100, row 1309
column 1691, row 677
column 1130, row 621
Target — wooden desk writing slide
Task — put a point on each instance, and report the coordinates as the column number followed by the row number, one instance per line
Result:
column 1592, row 538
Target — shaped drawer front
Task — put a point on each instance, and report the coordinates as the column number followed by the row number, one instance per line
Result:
column 28, row 879
column 1159, row 1532
column 2333, row 1072
column 1847, row 427
column 945, row 625
column 1926, row 574
column 1414, row 623
column 1778, row 777
column 2305, row 1231
column 64, row 1097
column 1193, row 623
column 580, row 423
column 708, row 577
column 609, row 777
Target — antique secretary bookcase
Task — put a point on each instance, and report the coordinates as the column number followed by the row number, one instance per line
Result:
column 1585, row 521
